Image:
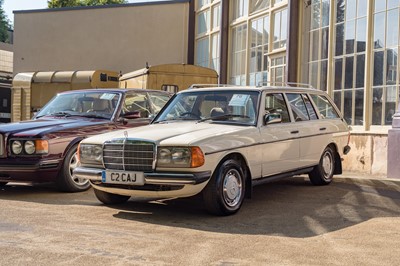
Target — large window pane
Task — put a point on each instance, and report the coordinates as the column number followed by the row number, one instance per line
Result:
column 348, row 80
column 256, row 5
column 339, row 39
column 338, row 73
column 314, row 41
column 392, row 29
column 377, row 106
column 390, row 104
column 361, row 34
column 378, row 68
column 351, row 9
column 380, row 5
column 203, row 22
column 347, row 106
column 362, row 8
column 360, row 71
column 324, row 43
column 391, row 65
column 379, row 34
column 340, row 9
column 350, row 36
column 324, row 75
column 359, row 107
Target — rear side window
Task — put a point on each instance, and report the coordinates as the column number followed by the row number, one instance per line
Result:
column 298, row 106
column 310, row 108
column 324, row 106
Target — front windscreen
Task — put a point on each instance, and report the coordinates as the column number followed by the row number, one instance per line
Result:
column 221, row 106
column 86, row 104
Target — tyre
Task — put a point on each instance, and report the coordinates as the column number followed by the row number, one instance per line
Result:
column 322, row 174
column 2, row 184
column 224, row 193
column 109, row 198
column 65, row 180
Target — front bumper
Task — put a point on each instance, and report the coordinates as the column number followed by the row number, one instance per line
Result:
column 158, row 178
column 29, row 171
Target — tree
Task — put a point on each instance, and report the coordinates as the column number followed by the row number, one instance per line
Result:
column 72, row 3
column 4, row 24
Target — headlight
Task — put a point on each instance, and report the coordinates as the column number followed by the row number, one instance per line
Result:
column 16, row 147
column 185, row 157
column 29, row 147
column 90, row 154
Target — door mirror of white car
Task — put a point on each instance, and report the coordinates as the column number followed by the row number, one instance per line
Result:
column 272, row 118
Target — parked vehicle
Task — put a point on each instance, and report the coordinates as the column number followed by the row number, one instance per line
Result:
column 44, row 149
column 220, row 142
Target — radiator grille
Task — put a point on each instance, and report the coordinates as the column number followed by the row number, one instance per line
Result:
column 129, row 155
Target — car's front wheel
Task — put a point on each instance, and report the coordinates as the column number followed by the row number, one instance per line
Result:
column 322, row 174
column 109, row 198
column 66, row 180
column 224, row 193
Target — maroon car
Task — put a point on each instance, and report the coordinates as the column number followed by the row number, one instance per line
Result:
column 44, row 149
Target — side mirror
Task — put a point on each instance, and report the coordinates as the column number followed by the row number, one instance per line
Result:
column 272, row 118
column 132, row 115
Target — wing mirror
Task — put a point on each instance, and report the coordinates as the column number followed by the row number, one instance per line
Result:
column 132, row 115
column 272, row 118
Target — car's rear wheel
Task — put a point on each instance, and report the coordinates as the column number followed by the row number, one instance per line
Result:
column 109, row 198
column 322, row 174
column 224, row 193
column 65, row 180
column 2, row 184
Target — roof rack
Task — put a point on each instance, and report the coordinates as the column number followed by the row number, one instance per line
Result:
column 291, row 84
column 197, row 86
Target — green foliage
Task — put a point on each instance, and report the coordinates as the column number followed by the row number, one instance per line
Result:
column 4, row 24
column 73, row 3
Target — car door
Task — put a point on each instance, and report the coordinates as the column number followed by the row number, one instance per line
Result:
column 311, row 131
column 280, row 145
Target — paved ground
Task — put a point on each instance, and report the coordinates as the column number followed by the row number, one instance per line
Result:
column 354, row 221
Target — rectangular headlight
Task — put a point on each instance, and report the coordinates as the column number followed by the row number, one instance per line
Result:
column 181, row 157
column 90, row 154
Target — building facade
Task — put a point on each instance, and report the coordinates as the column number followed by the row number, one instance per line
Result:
column 347, row 48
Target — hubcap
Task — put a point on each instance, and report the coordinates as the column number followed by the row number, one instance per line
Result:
column 327, row 164
column 74, row 163
column 232, row 189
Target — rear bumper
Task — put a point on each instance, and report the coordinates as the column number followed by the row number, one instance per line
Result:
column 163, row 178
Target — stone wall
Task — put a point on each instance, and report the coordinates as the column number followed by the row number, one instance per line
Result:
column 368, row 154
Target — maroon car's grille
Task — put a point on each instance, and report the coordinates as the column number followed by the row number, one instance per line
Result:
column 129, row 155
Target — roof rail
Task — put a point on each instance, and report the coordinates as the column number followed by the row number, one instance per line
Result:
column 291, row 84
column 197, row 86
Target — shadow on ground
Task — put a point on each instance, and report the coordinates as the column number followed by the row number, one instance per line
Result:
column 290, row 207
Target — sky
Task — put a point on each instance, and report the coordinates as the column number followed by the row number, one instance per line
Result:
column 10, row 5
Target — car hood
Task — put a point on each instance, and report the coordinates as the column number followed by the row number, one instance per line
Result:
column 46, row 125
column 183, row 133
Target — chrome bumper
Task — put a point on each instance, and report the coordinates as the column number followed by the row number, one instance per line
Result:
column 94, row 174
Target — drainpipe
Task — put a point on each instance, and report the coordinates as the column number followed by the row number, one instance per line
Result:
column 393, row 160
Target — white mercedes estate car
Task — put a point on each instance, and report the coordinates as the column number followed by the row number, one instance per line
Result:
column 220, row 142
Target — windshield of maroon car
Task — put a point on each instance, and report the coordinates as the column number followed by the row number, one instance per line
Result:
column 87, row 104
column 225, row 106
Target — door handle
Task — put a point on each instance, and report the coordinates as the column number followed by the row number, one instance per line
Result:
column 294, row 132
column 322, row 128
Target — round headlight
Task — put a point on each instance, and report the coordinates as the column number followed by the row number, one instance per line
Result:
column 30, row 147
column 16, row 147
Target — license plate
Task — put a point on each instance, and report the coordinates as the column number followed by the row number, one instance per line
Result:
column 123, row 177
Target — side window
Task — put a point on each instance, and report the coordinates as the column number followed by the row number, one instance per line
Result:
column 325, row 107
column 275, row 103
column 137, row 103
column 298, row 107
column 310, row 108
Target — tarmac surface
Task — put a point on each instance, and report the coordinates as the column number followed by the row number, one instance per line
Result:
column 353, row 221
